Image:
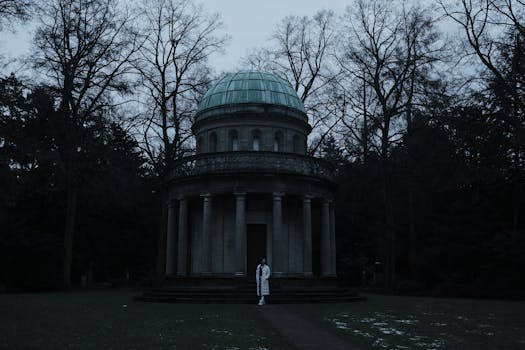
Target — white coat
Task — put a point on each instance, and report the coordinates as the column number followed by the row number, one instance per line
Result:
column 262, row 281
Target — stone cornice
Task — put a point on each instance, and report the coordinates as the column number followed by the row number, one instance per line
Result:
column 253, row 111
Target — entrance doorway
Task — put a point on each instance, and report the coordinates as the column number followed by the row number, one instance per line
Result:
column 256, row 247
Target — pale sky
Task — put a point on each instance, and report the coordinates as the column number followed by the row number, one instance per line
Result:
column 250, row 24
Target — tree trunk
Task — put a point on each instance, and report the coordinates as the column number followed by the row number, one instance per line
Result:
column 161, row 239
column 365, row 126
column 69, row 230
column 387, row 202
column 391, row 234
column 389, row 226
column 516, row 191
column 516, row 182
column 412, row 230
column 516, row 208
column 411, row 215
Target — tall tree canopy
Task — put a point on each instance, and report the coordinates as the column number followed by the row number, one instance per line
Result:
column 83, row 48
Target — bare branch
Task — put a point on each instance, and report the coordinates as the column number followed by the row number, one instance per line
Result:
column 173, row 72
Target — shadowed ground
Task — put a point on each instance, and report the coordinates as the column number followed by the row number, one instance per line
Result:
column 397, row 322
column 109, row 319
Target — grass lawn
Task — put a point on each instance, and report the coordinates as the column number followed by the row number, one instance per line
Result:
column 394, row 322
column 111, row 320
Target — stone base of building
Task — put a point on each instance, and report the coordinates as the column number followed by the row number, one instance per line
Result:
column 231, row 289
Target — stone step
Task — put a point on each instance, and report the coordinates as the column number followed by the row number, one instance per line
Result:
column 232, row 295
column 317, row 289
column 236, row 294
column 252, row 300
column 248, row 297
column 229, row 290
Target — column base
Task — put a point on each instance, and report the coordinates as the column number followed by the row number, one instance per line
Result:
column 182, row 274
column 206, row 273
column 308, row 274
column 277, row 274
column 239, row 274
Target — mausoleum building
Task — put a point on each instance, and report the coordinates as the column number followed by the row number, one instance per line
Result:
column 251, row 190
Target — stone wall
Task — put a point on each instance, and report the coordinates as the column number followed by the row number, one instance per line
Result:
column 223, row 231
column 241, row 138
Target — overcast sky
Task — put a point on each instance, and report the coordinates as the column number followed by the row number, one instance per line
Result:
column 249, row 23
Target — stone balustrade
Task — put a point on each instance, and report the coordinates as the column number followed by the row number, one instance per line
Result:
column 252, row 161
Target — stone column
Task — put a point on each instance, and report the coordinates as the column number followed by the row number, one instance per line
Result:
column 182, row 256
column 269, row 247
column 277, row 239
column 307, row 236
column 170, row 239
column 333, row 261
column 240, row 233
column 206, row 234
column 326, row 262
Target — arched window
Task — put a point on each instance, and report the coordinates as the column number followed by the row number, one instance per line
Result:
column 233, row 140
column 278, row 142
column 212, row 146
column 256, row 140
column 297, row 144
column 200, row 144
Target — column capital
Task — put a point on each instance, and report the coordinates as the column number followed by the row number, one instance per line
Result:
column 206, row 195
column 171, row 203
column 307, row 198
column 181, row 198
column 277, row 195
column 239, row 194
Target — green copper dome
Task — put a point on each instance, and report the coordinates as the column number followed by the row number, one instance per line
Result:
column 251, row 87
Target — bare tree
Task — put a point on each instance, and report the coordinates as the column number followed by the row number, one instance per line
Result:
column 484, row 24
column 14, row 10
column 356, row 125
column 173, row 70
column 494, row 31
column 385, row 52
column 83, row 47
column 301, row 51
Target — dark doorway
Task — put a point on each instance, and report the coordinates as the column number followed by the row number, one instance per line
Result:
column 256, row 247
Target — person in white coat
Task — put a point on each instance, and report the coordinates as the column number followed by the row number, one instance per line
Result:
column 262, row 274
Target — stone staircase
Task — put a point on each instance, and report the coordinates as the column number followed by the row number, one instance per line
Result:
column 239, row 291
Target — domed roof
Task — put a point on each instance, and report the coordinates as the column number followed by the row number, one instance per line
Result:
column 251, row 87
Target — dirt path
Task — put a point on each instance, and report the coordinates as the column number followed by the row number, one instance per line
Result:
column 302, row 333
